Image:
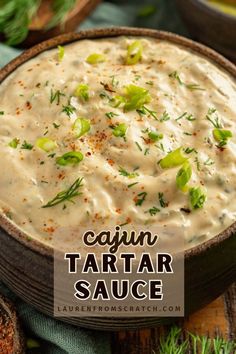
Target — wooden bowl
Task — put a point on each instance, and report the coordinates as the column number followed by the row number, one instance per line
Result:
column 210, row 25
column 14, row 341
column 27, row 266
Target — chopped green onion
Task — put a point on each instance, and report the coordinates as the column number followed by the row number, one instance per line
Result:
column 70, row 158
column 120, row 130
column 222, row 136
column 82, row 91
column 14, row 143
column 95, row 58
column 46, row 144
column 81, row 126
column 173, row 159
column 61, row 52
column 136, row 97
column 117, row 101
column 154, row 136
column 134, row 54
column 197, row 197
column 183, row 176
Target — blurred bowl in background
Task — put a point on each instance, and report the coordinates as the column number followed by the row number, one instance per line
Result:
column 210, row 25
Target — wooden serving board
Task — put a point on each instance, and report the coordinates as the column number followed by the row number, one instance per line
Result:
column 37, row 31
column 218, row 318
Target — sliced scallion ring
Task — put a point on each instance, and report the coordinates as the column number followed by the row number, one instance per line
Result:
column 173, row 159
column 70, row 158
column 81, row 126
column 46, row 144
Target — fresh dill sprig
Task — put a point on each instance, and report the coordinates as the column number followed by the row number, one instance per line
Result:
column 16, row 15
column 66, row 195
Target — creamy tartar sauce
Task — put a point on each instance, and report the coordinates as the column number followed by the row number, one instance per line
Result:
column 119, row 131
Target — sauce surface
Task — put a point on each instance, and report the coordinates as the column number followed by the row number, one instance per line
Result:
column 119, row 107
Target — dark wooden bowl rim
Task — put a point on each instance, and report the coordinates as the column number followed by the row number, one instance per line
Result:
column 197, row 48
column 212, row 10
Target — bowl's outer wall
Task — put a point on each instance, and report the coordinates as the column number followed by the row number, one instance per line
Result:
column 210, row 26
column 27, row 266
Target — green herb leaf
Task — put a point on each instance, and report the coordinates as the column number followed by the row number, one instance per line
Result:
column 125, row 173
column 70, row 158
column 165, row 116
column 153, row 211
column 81, row 126
column 56, row 96
column 162, row 201
column 95, row 58
column 2, row 113
column 173, row 159
column 197, row 197
column 111, row 115
column 68, row 110
column 183, row 176
column 175, row 75
column 66, row 195
column 213, row 118
column 140, row 198
column 134, row 54
column 26, row 146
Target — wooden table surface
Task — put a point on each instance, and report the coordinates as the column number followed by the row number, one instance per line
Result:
column 219, row 317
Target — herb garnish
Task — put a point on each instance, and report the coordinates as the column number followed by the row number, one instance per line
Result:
column 213, row 119
column 125, row 173
column 142, row 196
column 56, row 96
column 111, row 115
column 68, row 110
column 132, row 184
column 2, row 113
column 165, row 116
column 26, row 146
column 183, row 176
column 56, row 126
column 139, row 146
column 192, row 87
column 66, row 195
column 162, row 201
column 145, row 110
column 153, row 211
column 209, row 162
